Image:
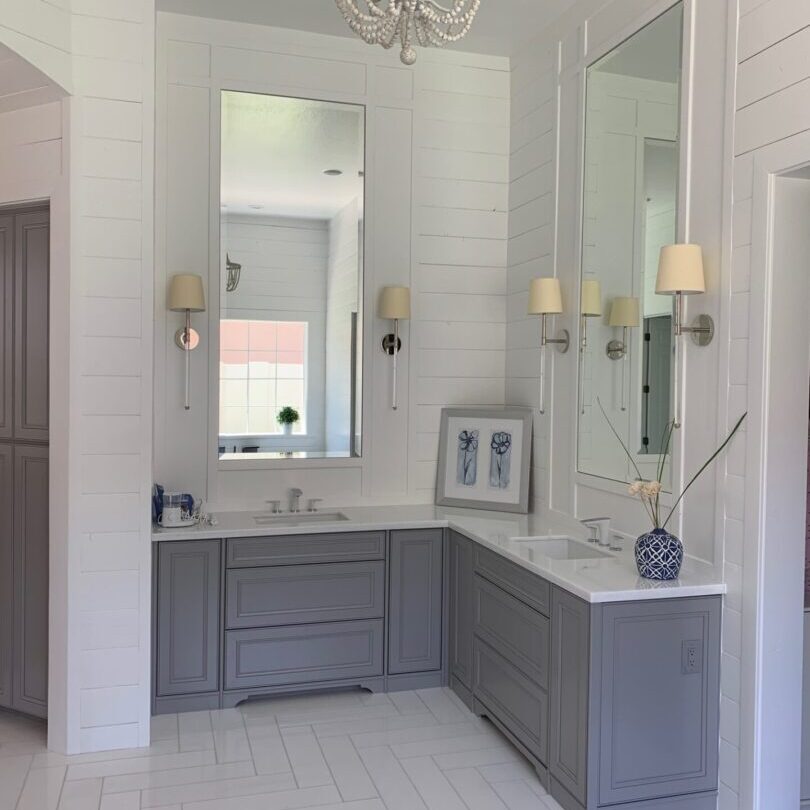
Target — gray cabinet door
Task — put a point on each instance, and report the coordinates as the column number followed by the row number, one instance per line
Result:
column 304, row 654
column 518, row 703
column 461, row 608
column 32, row 251
column 187, row 618
column 660, row 676
column 513, row 629
column 570, row 673
column 31, row 579
column 415, row 609
column 6, row 326
column 304, row 594
column 6, row 574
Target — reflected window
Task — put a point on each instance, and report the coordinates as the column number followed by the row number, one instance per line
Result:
column 263, row 368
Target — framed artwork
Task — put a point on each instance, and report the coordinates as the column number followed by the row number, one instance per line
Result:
column 484, row 458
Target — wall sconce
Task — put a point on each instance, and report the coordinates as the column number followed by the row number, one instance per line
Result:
column 624, row 312
column 680, row 272
column 590, row 306
column 395, row 305
column 545, row 298
column 186, row 294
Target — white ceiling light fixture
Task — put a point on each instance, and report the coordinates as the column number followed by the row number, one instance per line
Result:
column 384, row 22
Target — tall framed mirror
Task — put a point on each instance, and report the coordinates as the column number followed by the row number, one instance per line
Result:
column 629, row 210
column 291, row 280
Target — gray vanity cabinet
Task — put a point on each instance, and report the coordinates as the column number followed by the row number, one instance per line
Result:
column 415, row 601
column 460, row 640
column 187, row 617
column 635, row 703
column 616, row 705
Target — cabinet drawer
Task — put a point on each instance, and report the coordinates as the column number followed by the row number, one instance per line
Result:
column 306, row 654
column 515, row 700
column 301, row 594
column 294, row 549
column 522, row 584
column 513, row 629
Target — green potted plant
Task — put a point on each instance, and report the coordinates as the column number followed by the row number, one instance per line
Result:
column 287, row 417
column 659, row 553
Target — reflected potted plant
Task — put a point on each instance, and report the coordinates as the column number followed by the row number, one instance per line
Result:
column 659, row 554
column 287, row 417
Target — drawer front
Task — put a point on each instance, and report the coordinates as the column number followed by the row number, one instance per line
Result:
column 515, row 700
column 301, row 594
column 522, row 584
column 307, row 654
column 249, row 552
column 517, row 632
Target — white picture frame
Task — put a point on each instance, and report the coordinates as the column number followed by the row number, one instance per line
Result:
column 484, row 458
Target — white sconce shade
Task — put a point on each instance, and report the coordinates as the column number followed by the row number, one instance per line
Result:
column 545, row 297
column 395, row 303
column 186, row 293
column 680, row 270
column 624, row 312
column 680, row 273
column 591, row 298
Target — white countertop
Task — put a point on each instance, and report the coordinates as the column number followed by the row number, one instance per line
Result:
column 612, row 578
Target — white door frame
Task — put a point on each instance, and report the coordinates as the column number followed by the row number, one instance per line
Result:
column 776, row 434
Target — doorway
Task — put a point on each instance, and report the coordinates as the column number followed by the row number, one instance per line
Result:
column 24, row 456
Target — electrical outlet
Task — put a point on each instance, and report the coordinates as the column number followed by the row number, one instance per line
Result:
column 691, row 657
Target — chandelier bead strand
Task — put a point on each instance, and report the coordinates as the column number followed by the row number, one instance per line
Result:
column 384, row 22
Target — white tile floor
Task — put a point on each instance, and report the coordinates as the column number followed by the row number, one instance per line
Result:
column 351, row 751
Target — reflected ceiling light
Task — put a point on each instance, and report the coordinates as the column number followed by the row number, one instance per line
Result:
column 384, row 22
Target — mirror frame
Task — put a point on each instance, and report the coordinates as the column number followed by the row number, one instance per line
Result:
column 580, row 479
column 216, row 464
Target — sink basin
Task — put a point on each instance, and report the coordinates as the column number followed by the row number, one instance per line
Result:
column 557, row 548
column 298, row 519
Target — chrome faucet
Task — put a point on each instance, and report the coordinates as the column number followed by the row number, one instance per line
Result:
column 295, row 495
column 599, row 529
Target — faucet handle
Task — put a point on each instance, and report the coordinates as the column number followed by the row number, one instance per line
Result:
column 275, row 506
column 312, row 504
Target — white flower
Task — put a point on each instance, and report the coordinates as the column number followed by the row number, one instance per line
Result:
column 652, row 488
column 636, row 487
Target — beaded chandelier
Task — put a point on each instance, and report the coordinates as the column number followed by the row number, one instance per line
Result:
column 384, row 22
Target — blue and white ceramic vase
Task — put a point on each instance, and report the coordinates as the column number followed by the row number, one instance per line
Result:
column 659, row 555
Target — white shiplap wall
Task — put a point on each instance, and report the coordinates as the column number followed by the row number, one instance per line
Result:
column 772, row 106
column 101, row 374
column 437, row 184
column 111, row 345
column 532, row 217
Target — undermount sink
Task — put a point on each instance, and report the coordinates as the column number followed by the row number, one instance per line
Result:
column 298, row 518
column 557, row 548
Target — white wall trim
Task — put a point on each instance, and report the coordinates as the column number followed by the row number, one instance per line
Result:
column 773, row 569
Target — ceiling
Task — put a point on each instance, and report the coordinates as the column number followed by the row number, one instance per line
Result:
column 500, row 26
column 275, row 151
column 654, row 52
column 21, row 84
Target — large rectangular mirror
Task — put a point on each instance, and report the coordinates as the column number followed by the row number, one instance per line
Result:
column 291, row 283
column 630, row 210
